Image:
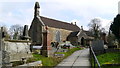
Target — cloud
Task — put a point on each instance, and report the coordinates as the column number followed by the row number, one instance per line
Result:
column 81, row 11
column 84, row 10
column 16, row 13
column 16, row 0
column 106, row 23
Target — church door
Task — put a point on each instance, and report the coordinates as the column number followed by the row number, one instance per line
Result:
column 82, row 41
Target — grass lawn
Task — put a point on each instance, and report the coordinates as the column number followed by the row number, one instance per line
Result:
column 52, row 61
column 109, row 58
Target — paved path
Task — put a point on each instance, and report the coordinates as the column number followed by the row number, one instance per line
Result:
column 79, row 59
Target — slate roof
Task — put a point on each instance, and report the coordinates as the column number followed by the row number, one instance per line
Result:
column 89, row 33
column 73, row 34
column 59, row 24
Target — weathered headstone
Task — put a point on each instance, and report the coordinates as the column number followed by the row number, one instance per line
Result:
column 4, row 54
column 1, row 48
column 25, row 33
column 98, row 45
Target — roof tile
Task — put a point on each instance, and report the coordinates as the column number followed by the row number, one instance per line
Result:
column 59, row 24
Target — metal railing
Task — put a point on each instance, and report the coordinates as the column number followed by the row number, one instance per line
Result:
column 94, row 61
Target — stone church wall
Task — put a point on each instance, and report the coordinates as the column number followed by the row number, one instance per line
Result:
column 63, row 33
column 74, row 40
column 35, row 31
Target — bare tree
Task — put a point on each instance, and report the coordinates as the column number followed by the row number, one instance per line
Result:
column 5, row 32
column 16, row 31
column 95, row 27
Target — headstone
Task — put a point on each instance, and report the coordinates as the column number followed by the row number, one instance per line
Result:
column 59, row 55
column 98, row 45
column 1, row 48
column 25, row 33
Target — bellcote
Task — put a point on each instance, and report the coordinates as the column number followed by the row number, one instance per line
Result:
column 36, row 11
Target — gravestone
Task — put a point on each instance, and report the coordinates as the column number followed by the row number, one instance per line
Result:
column 25, row 33
column 1, row 47
column 98, row 45
column 3, row 60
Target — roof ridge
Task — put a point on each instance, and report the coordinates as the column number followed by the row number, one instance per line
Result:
column 58, row 20
column 59, row 24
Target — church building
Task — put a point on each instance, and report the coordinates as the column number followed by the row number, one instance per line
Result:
column 58, row 30
column 43, row 31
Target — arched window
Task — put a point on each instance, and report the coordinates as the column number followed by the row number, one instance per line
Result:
column 57, row 36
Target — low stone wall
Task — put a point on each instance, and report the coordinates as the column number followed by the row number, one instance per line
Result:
column 112, row 50
column 15, row 51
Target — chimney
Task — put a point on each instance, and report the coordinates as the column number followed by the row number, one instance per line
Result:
column 81, row 27
column 75, row 23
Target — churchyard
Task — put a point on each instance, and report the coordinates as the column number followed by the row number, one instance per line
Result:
column 105, row 57
column 48, row 41
column 18, row 52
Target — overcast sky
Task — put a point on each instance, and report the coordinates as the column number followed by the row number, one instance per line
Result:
column 82, row 11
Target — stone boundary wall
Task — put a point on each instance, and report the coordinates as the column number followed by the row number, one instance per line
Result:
column 112, row 50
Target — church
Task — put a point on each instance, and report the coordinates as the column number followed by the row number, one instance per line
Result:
column 44, row 31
